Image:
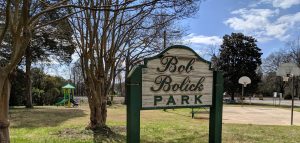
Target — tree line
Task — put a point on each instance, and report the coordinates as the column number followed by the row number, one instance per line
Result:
column 46, row 89
column 105, row 34
column 272, row 83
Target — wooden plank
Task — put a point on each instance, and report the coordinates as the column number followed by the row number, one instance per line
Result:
column 179, row 100
column 180, row 53
column 177, row 73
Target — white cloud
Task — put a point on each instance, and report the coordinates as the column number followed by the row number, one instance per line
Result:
column 264, row 24
column 202, row 39
column 283, row 4
column 203, row 45
column 250, row 19
column 291, row 19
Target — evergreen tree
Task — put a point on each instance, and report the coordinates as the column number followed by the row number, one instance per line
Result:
column 239, row 56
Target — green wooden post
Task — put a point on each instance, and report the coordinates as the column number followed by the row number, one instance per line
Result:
column 134, row 101
column 215, row 119
column 134, row 94
column 65, row 96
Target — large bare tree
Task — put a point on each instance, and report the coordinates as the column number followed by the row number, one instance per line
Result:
column 19, row 19
column 103, row 38
column 271, row 82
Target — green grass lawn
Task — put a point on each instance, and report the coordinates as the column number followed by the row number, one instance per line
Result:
column 63, row 125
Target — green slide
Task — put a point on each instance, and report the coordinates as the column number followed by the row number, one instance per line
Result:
column 61, row 102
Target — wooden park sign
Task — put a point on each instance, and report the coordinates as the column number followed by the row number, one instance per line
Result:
column 176, row 78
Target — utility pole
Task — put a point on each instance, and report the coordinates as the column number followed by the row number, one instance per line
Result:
column 165, row 39
column 293, row 94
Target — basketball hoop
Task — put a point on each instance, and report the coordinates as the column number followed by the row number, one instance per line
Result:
column 244, row 80
column 287, row 70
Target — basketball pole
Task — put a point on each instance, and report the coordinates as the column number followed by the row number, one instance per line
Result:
column 242, row 94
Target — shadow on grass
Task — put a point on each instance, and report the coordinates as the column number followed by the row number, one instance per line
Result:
column 116, row 138
column 189, row 114
column 113, row 134
column 193, row 137
column 42, row 117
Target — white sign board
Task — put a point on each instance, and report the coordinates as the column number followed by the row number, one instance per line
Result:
column 274, row 94
column 177, row 77
column 280, row 95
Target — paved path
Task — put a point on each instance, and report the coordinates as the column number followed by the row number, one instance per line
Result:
column 259, row 115
column 269, row 100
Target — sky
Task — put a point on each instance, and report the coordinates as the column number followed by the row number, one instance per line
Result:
column 272, row 22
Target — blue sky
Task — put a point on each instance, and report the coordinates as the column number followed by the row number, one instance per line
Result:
column 271, row 22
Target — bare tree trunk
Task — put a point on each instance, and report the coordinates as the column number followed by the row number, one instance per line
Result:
column 97, row 98
column 77, row 89
column 232, row 96
column 28, row 79
column 98, row 114
column 127, row 64
column 5, row 87
column 120, row 85
column 113, row 86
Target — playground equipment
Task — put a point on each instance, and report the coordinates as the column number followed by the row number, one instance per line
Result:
column 68, row 91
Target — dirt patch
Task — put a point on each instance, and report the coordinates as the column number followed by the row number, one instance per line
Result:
column 259, row 116
column 71, row 132
column 115, row 136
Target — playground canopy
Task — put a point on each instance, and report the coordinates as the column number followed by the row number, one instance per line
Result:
column 68, row 86
column 68, row 91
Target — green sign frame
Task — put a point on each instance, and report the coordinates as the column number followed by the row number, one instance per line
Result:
column 134, row 104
